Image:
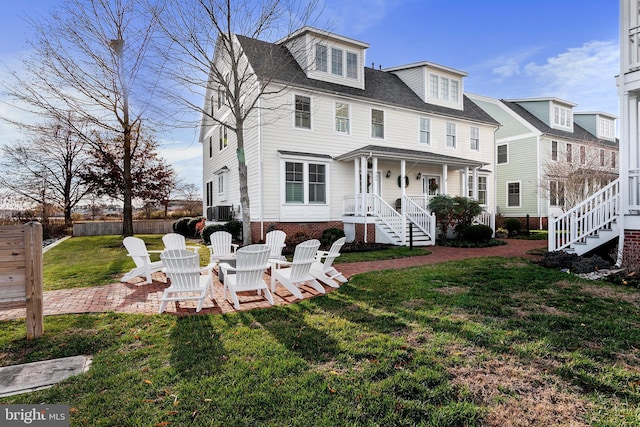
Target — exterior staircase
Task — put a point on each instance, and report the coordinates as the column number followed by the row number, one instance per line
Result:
column 588, row 225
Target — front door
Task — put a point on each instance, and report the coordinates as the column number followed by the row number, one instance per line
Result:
column 431, row 185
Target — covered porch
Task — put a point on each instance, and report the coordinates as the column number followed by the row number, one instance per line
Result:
column 392, row 188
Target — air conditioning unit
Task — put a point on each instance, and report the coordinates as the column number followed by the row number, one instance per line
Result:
column 222, row 213
column 210, row 215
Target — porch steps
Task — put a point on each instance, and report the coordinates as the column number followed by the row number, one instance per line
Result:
column 419, row 237
column 602, row 236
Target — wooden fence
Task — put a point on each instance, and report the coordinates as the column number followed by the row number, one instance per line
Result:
column 101, row 228
column 21, row 273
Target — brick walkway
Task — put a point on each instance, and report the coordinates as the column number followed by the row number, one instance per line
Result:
column 145, row 298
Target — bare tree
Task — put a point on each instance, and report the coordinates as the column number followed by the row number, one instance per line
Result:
column 192, row 196
column 92, row 58
column 575, row 176
column 47, row 167
column 208, row 57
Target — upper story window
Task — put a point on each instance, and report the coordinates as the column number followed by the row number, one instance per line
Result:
column 569, row 153
column 474, row 139
column 352, row 65
column 221, row 97
column 605, row 128
column 303, row 112
column 444, row 88
column 583, row 155
column 613, row 159
column 554, row 151
column 223, row 141
column 211, row 104
column 321, row 57
column 425, row 131
column 602, row 158
column 210, row 146
column 562, row 117
column 342, row 118
column 451, row 135
column 377, row 124
column 503, row 154
column 336, row 61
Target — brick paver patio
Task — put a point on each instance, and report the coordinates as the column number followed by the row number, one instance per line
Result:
column 145, row 298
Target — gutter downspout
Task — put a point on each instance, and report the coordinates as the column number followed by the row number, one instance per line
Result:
column 261, row 169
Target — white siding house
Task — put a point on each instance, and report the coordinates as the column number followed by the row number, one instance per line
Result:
column 338, row 144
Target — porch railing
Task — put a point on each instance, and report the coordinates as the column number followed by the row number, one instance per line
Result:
column 389, row 216
column 585, row 219
column 488, row 219
column 634, row 189
column 424, row 220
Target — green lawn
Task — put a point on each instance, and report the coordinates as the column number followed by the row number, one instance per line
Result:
column 483, row 342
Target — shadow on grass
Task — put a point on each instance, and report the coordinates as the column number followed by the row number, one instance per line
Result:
column 197, row 348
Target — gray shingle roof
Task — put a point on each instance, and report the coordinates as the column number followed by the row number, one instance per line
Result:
column 274, row 62
column 578, row 134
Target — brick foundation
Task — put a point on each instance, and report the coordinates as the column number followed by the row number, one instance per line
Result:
column 631, row 250
column 313, row 230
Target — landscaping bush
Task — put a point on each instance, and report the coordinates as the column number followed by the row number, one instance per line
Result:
column 329, row 236
column 573, row 263
column 235, row 228
column 191, row 226
column 513, row 226
column 208, row 230
column 457, row 212
column 477, row 233
column 181, row 226
column 293, row 241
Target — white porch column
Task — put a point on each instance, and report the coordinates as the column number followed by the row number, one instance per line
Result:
column 465, row 182
column 363, row 185
column 403, row 172
column 445, row 174
column 356, row 176
column 475, row 183
column 374, row 175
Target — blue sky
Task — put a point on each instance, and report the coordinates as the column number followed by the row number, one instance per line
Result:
column 510, row 48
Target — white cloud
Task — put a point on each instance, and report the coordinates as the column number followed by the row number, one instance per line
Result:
column 356, row 16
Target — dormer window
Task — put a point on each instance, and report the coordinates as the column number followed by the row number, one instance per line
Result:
column 321, row 57
column 444, row 88
column 562, row 117
column 605, row 128
column 352, row 65
column 336, row 61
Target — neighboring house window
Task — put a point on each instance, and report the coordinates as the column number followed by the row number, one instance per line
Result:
column 613, row 159
column 556, row 193
column 301, row 174
column 352, row 65
column 475, row 138
column 554, row 151
column 482, row 189
column 503, row 154
column 513, row 194
column 583, row 155
column 342, row 118
column 210, row 146
column 223, row 141
column 602, row 158
column 336, row 61
column 425, row 131
column 209, row 192
column 303, row 112
column 321, row 57
column 451, row 135
column 294, row 182
column 606, row 128
column 377, row 124
column 433, row 85
column 317, row 183
column 569, row 154
column 562, row 116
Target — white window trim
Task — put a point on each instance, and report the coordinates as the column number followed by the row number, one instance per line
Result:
column 504, row 163
column 551, row 151
column 224, row 176
column 305, row 160
column 428, row 143
column 384, row 124
column 471, row 128
column 293, row 118
column 455, row 135
column 337, row 132
column 569, row 117
column 519, row 194
column 346, row 65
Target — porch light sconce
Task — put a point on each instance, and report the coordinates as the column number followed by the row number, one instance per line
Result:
column 388, row 174
column 419, row 175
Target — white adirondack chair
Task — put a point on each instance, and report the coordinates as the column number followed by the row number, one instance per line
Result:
column 324, row 270
column 221, row 246
column 182, row 267
column 177, row 241
column 275, row 240
column 299, row 272
column 251, row 262
column 140, row 256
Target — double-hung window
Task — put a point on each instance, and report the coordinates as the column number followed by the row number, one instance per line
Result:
column 556, row 193
column 425, row 131
column 336, row 61
column 613, row 159
column 513, row 194
column 352, row 65
column 569, row 153
column 377, row 124
column 223, row 140
column 474, row 138
column 305, row 182
column 601, row 158
column 303, row 112
column 503, row 154
column 562, row 117
column 583, row 155
column 455, row 91
column 321, row 57
column 554, row 151
column 209, row 193
column 482, row 189
column 433, row 86
column 210, row 146
column 342, row 118
column 451, row 135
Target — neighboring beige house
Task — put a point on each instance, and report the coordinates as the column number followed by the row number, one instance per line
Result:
column 348, row 146
column 540, row 143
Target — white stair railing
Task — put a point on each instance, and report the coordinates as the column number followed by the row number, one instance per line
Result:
column 389, row 216
column 585, row 219
column 488, row 219
column 424, row 220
